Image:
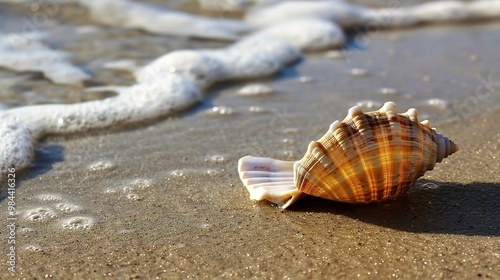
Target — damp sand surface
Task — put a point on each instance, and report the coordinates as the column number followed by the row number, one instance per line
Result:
column 163, row 199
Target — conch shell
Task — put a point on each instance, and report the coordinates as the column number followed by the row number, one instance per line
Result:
column 368, row 157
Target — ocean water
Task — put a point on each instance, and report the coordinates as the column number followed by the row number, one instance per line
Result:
column 108, row 108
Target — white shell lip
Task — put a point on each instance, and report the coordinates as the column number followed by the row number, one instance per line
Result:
column 269, row 179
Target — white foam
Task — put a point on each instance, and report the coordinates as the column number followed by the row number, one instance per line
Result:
column 19, row 127
column 27, row 53
column 344, row 14
column 435, row 12
column 16, row 144
column 129, row 14
column 349, row 15
column 222, row 5
column 252, row 58
column 321, row 34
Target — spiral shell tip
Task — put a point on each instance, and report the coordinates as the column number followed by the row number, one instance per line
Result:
column 446, row 147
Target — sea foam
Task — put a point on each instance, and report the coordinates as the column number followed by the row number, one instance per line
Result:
column 157, row 20
column 26, row 53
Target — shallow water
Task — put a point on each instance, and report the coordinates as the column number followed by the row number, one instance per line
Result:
column 166, row 193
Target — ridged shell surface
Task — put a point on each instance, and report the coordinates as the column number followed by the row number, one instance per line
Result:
column 370, row 157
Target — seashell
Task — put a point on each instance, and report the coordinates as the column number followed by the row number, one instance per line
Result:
column 368, row 157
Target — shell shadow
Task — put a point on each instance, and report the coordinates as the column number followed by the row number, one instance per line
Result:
column 429, row 207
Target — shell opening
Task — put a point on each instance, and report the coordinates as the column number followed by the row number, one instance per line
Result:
column 269, row 179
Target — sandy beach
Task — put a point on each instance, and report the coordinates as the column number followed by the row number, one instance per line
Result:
column 163, row 200
column 198, row 222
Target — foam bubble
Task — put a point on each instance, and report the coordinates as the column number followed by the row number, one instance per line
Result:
column 256, row 109
column 358, row 72
column 217, row 159
column 430, row 186
column 336, row 54
column 306, row 79
column 426, row 79
column 221, row 111
column 255, row 89
column 211, row 172
column 101, row 165
column 178, row 173
column 142, row 183
column 369, row 104
column 33, row 248
column 78, row 223
column 26, row 229
column 40, row 214
column 290, row 130
column 438, row 103
column 125, row 64
column 68, row 207
column 388, row 91
column 135, row 197
column 205, row 226
column 50, row 197
column 288, row 154
column 133, row 185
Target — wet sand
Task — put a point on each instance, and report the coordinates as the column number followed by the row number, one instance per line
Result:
column 203, row 225
column 190, row 216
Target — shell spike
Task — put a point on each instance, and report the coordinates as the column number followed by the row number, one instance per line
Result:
column 389, row 107
column 426, row 123
column 412, row 114
column 269, row 179
column 354, row 112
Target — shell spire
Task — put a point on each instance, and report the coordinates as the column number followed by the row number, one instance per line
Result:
column 367, row 157
column 446, row 147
